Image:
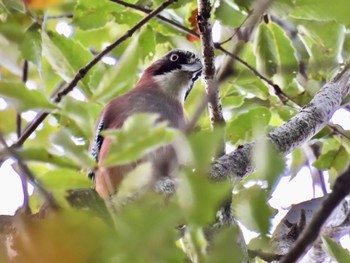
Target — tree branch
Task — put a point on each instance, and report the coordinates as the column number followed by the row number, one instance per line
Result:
column 208, row 73
column 311, row 231
column 310, row 120
column 160, row 17
column 29, row 176
column 84, row 70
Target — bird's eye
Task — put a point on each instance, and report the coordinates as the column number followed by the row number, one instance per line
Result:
column 174, row 57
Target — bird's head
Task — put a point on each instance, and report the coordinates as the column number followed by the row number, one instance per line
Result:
column 175, row 73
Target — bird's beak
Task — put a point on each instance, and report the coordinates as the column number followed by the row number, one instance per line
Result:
column 195, row 66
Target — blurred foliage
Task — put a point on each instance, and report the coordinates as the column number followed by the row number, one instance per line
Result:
column 298, row 45
column 337, row 253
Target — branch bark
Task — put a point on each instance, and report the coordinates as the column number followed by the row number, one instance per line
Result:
column 208, row 74
column 311, row 231
column 238, row 164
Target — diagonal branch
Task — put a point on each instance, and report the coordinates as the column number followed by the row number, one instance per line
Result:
column 84, row 70
column 310, row 120
column 311, row 231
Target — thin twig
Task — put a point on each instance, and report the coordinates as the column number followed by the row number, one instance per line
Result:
column 18, row 115
column 160, row 17
column 279, row 93
column 311, row 231
column 60, row 16
column 29, row 176
column 84, row 70
column 22, row 177
column 336, row 130
column 236, row 30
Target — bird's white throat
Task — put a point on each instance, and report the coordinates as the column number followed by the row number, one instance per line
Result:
column 175, row 84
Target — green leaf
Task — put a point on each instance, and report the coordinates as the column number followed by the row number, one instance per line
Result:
column 139, row 135
column 31, row 46
column 128, row 18
column 66, row 57
column 63, row 179
column 270, row 163
column 228, row 14
column 275, row 53
column 338, row 159
column 286, row 112
column 251, row 208
column 226, row 245
column 44, row 156
column 324, row 41
column 8, row 120
column 336, row 251
column 10, row 57
column 229, row 102
column 321, row 10
column 147, row 43
column 120, row 78
column 205, row 145
column 13, row 5
column 83, row 114
column 298, row 161
column 242, row 127
column 78, row 154
column 266, row 57
column 200, row 198
column 23, row 98
column 91, row 14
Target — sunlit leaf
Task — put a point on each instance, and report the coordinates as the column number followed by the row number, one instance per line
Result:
column 43, row 155
column 338, row 159
column 91, row 14
column 138, row 136
column 121, row 77
column 244, row 124
column 83, row 114
column 63, row 179
column 73, row 151
column 23, row 98
column 66, row 57
column 31, row 45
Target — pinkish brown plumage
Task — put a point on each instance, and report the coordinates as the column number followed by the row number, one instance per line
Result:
column 161, row 89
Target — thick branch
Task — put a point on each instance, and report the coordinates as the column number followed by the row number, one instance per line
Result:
column 299, row 129
column 84, row 70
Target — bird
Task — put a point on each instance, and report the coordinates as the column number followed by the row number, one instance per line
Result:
column 162, row 89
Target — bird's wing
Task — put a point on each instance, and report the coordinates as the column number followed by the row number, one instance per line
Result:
column 95, row 146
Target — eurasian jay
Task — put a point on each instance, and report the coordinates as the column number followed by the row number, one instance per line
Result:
column 162, row 89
